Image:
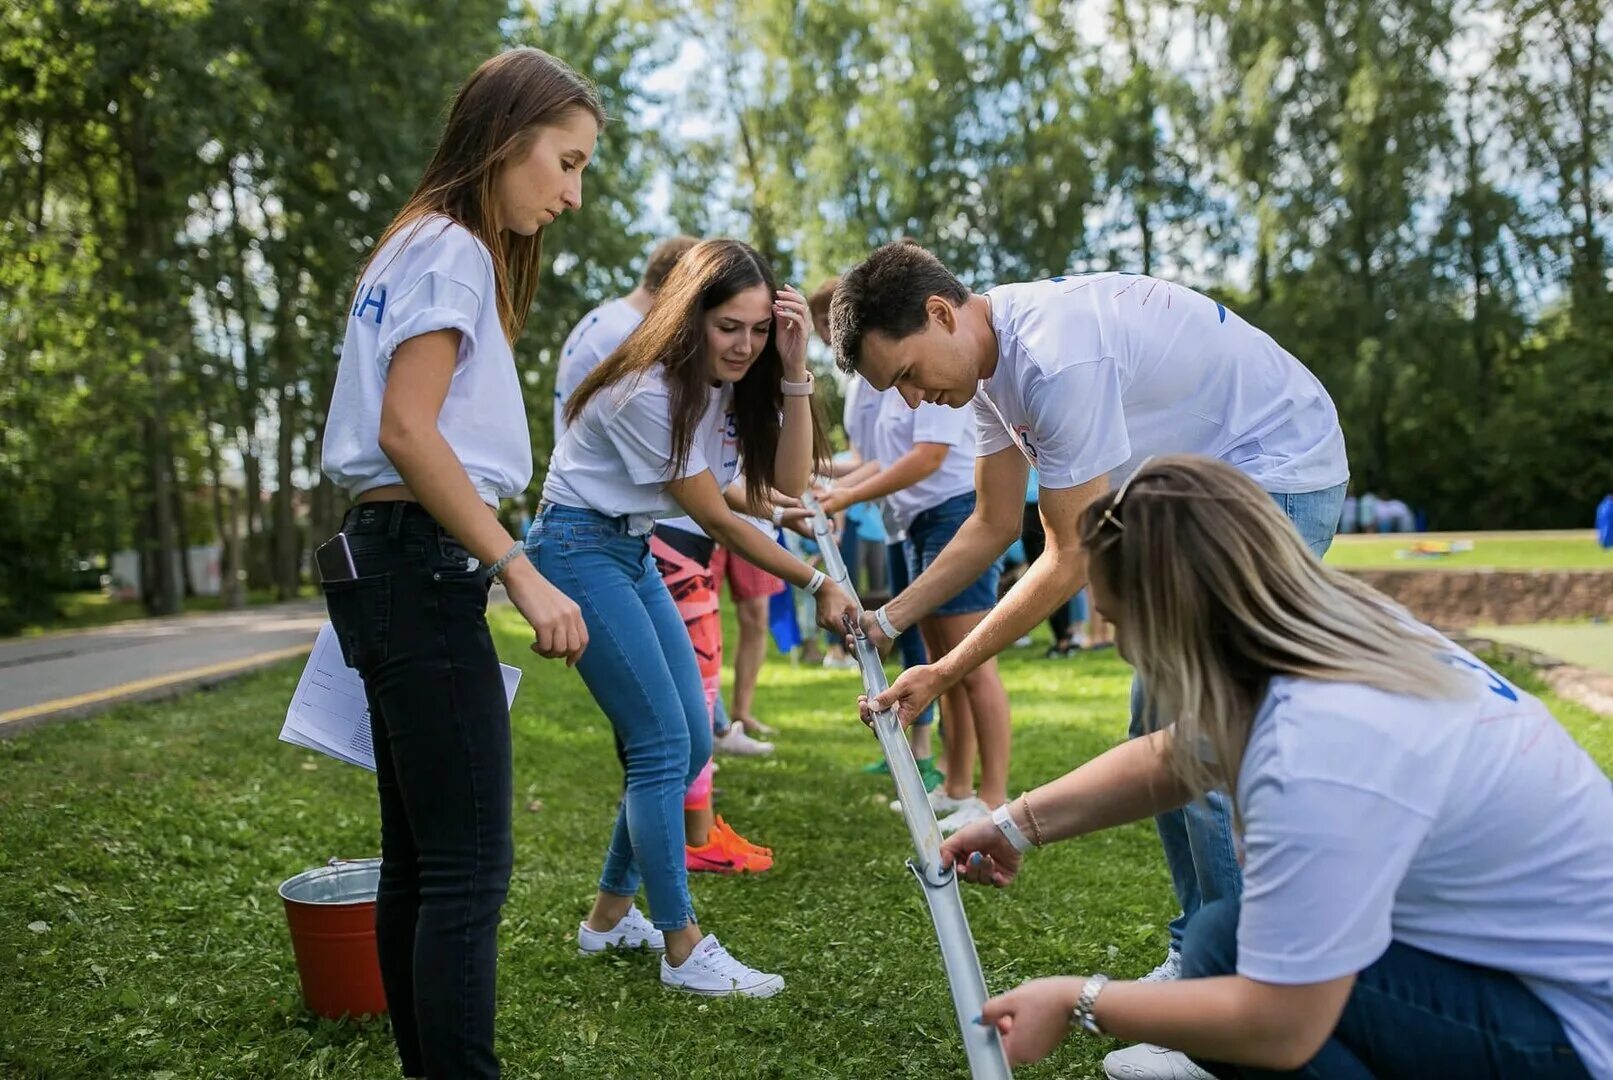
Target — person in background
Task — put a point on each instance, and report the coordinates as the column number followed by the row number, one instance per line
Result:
column 599, row 333
column 862, row 404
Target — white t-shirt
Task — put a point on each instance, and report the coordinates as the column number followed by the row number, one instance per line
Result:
column 1096, row 372
column 1475, row 829
column 861, row 409
column 616, row 458
column 436, row 276
column 590, row 342
column 897, row 429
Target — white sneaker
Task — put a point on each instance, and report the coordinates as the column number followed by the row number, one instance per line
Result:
column 1170, row 969
column 1023, row 642
column 941, row 803
column 737, row 741
column 712, row 972
column 841, row 663
column 632, row 931
column 970, row 812
column 1148, row 1062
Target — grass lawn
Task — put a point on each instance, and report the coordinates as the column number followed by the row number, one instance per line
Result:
column 88, row 610
column 142, row 937
column 1505, row 551
column 1588, row 644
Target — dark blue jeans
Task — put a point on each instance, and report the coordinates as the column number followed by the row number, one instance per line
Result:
column 1411, row 1015
column 909, row 642
column 413, row 624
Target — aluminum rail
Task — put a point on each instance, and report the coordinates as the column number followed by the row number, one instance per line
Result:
column 982, row 1044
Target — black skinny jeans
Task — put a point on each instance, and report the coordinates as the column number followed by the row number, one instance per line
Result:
column 414, row 626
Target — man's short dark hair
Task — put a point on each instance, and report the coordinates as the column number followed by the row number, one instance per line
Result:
column 818, row 302
column 886, row 292
column 663, row 259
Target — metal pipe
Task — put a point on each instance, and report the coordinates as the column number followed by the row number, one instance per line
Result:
column 982, row 1044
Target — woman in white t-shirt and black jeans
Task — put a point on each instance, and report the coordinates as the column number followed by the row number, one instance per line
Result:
column 427, row 432
column 714, row 377
column 1427, row 854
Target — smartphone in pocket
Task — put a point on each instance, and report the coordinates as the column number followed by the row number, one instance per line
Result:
column 334, row 560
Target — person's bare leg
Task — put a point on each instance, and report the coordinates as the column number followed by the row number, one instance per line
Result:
column 922, row 739
column 959, row 739
column 988, row 706
column 697, row 824
column 748, row 657
column 608, row 911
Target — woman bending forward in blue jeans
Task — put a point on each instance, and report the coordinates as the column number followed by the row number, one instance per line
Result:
column 714, row 379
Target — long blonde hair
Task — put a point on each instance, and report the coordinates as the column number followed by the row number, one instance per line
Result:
column 494, row 118
column 1217, row 594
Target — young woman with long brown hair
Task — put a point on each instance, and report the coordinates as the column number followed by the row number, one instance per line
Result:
column 712, row 382
column 427, row 432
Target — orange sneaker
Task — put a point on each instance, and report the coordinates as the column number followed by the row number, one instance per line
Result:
column 715, row 856
column 755, row 857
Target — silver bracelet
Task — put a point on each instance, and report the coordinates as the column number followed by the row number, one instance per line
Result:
column 797, row 389
column 883, row 621
column 818, row 578
column 1082, row 1015
column 498, row 568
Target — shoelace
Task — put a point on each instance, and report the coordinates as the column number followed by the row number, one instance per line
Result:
column 721, row 963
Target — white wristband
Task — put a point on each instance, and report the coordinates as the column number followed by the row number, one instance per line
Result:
column 818, row 578
column 883, row 621
column 797, row 389
column 1005, row 825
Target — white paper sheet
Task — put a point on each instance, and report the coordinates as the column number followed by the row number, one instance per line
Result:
column 329, row 712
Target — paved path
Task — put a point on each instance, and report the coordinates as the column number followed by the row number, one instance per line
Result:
column 56, row 675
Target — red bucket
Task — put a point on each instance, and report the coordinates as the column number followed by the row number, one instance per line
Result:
column 331, row 910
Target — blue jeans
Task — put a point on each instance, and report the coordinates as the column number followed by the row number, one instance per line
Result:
column 1412, row 1014
column 931, row 531
column 1197, row 839
column 641, row 669
column 910, row 642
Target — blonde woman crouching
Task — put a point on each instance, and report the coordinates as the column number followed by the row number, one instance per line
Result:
column 1427, row 854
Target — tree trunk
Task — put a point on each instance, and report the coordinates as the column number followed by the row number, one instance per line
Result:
column 287, row 547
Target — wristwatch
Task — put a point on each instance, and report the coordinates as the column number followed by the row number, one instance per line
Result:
column 1081, row 1015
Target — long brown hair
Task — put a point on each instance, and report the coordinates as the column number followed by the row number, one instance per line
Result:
column 494, row 118
column 673, row 336
column 1218, row 595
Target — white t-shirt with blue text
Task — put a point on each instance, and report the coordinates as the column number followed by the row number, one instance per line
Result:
column 434, row 276
column 1474, row 829
column 897, row 429
column 1096, row 372
column 617, row 457
column 596, row 335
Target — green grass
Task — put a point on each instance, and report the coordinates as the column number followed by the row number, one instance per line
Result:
column 88, row 610
column 1588, row 644
column 1510, row 551
column 150, row 841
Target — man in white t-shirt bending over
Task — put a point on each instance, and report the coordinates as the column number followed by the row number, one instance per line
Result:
column 607, row 326
column 1084, row 376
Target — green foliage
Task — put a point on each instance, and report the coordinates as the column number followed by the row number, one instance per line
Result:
column 1413, row 197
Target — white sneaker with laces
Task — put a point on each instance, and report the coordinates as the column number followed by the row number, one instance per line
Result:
column 1148, row 1062
column 738, row 742
column 712, row 972
column 970, row 812
column 1169, row 969
column 632, row 931
column 941, row 803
